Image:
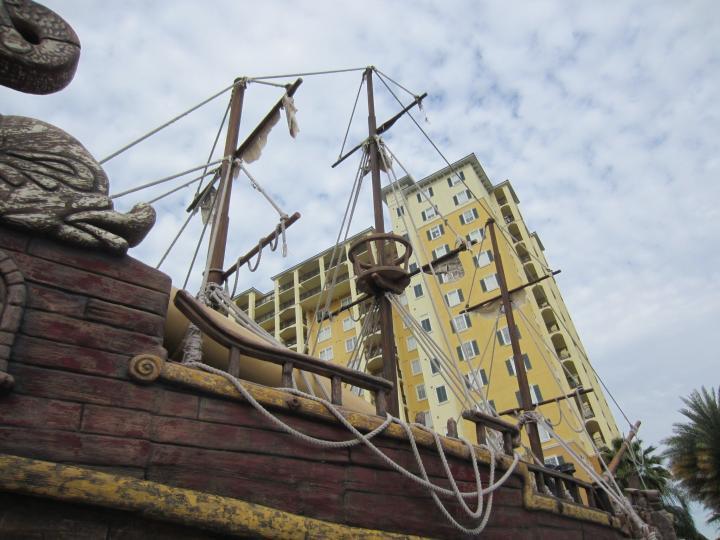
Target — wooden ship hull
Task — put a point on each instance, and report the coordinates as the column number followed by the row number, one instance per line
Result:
column 96, row 445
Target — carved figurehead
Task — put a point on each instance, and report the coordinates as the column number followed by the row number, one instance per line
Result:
column 49, row 183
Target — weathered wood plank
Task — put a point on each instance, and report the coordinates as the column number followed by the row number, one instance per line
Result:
column 13, row 240
column 56, row 301
column 226, row 437
column 124, row 268
column 67, row 446
column 115, row 421
column 27, row 411
column 176, row 404
column 42, row 352
column 82, row 282
column 124, row 317
column 68, row 386
column 89, row 334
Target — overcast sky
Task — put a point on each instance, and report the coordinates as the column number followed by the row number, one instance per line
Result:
column 604, row 116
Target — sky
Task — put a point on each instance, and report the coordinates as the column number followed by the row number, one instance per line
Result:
column 605, row 116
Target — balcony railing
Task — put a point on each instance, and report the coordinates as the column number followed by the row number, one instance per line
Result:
column 266, row 317
column 309, row 275
column 311, row 292
column 587, row 411
column 287, row 323
column 264, row 300
column 286, row 304
column 285, row 286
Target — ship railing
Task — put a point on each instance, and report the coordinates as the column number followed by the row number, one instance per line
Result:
column 567, row 487
column 510, row 432
column 223, row 331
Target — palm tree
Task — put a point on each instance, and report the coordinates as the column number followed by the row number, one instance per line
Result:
column 638, row 468
column 694, row 449
column 677, row 503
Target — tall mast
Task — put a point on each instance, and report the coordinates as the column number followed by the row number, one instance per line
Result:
column 525, row 400
column 388, row 339
column 219, row 232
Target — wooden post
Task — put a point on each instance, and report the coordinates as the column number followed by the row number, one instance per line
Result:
column 612, row 467
column 525, row 400
column 219, row 232
column 389, row 371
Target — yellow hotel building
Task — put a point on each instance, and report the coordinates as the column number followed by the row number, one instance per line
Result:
column 555, row 359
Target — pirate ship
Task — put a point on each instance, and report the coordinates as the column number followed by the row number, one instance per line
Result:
column 110, row 430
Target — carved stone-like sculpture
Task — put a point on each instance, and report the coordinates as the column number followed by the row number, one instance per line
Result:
column 49, row 182
column 39, row 51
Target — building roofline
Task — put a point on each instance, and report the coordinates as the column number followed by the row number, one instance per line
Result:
column 510, row 187
column 407, row 184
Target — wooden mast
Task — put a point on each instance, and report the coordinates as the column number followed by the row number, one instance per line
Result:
column 525, row 400
column 389, row 371
column 219, row 232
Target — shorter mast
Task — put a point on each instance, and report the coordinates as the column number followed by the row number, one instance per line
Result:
column 386, row 324
column 219, row 232
column 525, row 400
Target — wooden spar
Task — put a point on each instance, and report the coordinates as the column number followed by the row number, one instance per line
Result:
column 581, row 392
column 511, row 291
column 525, row 400
column 263, row 242
column 381, row 129
column 386, row 325
column 290, row 90
column 219, row 232
column 612, row 467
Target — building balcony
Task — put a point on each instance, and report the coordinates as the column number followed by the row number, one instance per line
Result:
column 310, row 293
column 587, row 411
column 309, row 275
column 285, row 305
column 375, row 361
column 286, row 286
column 266, row 317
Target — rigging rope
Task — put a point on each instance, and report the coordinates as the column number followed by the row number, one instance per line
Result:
column 305, row 74
column 352, row 115
column 168, row 178
column 169, row 122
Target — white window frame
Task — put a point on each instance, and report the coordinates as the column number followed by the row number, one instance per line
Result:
column 423, row 321
column 416, row 367
column 489, row 283
column 453, row 295
column 469, row 349
column 346, row 301
column 440, row 251
column 543, row 432
column 476, row 235
column 435, row 232
column 415, row 290
column 326, row 354
column 464, row 325
column 324, row 333
column 437, row 394
column 428, row 419
column 453, row 179
column 554, row 460
column 468, row 216
column 462, row 197
column 348, row 323
column 483, row 258
column 504, row 336
column 429, row 213
column 352, row 342
column 435, row 366
column 411, row 343
column 535, row 394
column 420, row 392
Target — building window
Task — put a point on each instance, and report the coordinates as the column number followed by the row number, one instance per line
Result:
column 428, row 213
column 543, row 432
column 413, row 267
column 324, row 333
column 469, row 216
column 503, row 335
column 456, row 178
column 415, row 367
column 411, row 343
column 426, row 194
column 441, row 394
column 435, row 232
column 403, row 299
column 483, row 259
column 510, row 364
column 350, row 344
column 462, row 197
column 434, row 366
column 475, row 236
column 461, row 323
column 326, row 354
column 420, row 392
column 425, row 323
column 348, row 323
column 467, row 350
column 439, row 252
column 489, row 283
column 345, row 302
column 400, row 210
column 535, row 394
column 554, row 461
column 428, row 419
column 417, row 289
column 322, row 314
column 475, row 380
column 453, row 298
